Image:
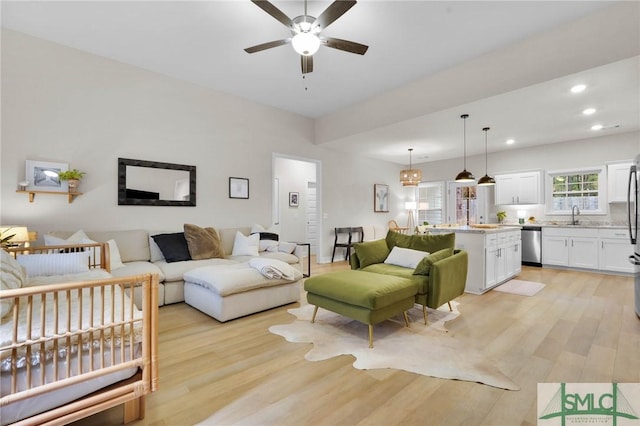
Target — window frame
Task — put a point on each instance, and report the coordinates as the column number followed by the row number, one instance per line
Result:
column 601, row 171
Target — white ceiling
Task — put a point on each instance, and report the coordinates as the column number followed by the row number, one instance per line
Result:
column 203, row 42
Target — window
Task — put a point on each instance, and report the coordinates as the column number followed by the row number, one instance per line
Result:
column 431, row 203
column 583, row 188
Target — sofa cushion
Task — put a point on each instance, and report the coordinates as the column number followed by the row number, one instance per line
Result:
column 421, row 281
column 396, row 239
column 285, row 257
column 371, row 252
column 432, row 243
column 138, row 268
column 133, row 244
column 203, row 243
column 424, row 267
column 246, row 245
column 175, row 270
column 12, row 276
column 173, row 246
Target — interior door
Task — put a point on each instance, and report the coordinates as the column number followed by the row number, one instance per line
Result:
column 312, row 217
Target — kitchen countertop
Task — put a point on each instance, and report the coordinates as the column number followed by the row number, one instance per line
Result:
column 515, row 226
column 472, row 230
column 567, row 225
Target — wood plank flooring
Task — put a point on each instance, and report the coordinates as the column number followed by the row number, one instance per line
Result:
column 580, row 328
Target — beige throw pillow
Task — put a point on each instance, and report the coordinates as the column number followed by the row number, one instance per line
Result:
column 203, row 243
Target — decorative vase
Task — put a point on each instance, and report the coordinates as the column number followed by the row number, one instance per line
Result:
column 73, row 185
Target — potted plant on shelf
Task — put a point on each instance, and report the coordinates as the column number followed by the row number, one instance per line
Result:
column 73, row 176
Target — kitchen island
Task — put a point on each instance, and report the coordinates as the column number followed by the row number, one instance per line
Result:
column 494, row 254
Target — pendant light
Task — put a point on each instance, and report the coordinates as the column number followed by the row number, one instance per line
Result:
column 410, row 176
column 465, row 175
column 486, row 180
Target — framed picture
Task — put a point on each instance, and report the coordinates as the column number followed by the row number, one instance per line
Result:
column 43, row 176
column 380, row 198
column 294, row 199
column 238, row 187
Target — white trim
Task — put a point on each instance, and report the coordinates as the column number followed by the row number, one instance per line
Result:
column 602, row 190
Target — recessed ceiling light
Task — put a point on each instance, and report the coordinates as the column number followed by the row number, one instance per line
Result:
column 597, row 127
column 510, row 142
column 589, row 111
column 578, row 88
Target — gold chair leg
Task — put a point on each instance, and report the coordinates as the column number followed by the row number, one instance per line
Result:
column 424, row 313
column 406, row 318
column 313, row 318
column 450, row 308
column 370, row 336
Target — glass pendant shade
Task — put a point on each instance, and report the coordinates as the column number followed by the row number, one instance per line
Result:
column 486, row 180
column 465, row 175
column 410, row 176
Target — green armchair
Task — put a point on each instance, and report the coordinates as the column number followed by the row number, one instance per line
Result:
column 440, row 277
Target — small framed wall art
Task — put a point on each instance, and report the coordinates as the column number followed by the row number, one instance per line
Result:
column 380, row 198
column 294, row 199
column 44, row 176
column 238, row 187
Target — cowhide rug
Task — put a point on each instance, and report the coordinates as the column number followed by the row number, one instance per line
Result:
column 427, row 350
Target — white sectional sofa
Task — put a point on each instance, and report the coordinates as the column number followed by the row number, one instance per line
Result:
column 140, row 255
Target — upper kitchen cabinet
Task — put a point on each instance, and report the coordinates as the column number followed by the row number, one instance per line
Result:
column 618, row 180
column 519, row 188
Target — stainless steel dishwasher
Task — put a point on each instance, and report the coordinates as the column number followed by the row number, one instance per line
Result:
column 532, row 245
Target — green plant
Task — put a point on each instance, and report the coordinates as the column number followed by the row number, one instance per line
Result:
column 71, row 174
column 501, row 216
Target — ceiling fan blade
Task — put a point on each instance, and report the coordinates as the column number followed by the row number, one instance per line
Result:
column 265, row 46
column 307, row 64
column 273, row 11
column 333, row 12
column 347, row 46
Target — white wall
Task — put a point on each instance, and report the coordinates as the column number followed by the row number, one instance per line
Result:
column 60, row 104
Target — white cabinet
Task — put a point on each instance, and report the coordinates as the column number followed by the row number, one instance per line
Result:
column 519, row 188
column 494, row 257
column 615, row 249
column 618, row 181
column 573, row 247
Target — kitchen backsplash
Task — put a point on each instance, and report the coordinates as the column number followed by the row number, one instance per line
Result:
column 617, row 215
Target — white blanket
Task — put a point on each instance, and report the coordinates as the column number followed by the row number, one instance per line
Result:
column 274, row 269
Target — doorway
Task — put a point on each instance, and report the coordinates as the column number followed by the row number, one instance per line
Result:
column 297, row 178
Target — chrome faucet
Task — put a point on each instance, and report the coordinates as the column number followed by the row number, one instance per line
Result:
column 573, row 214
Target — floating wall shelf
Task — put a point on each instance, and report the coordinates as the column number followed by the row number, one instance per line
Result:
column 32, row 194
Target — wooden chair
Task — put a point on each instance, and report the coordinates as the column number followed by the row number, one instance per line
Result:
column 341, row 234
column 393, row 226
column 357, row 234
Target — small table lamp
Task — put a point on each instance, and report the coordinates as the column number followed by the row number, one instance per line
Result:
column 20, row 234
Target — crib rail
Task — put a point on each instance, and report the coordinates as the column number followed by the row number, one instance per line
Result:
column 65, row 334
column 98, row 253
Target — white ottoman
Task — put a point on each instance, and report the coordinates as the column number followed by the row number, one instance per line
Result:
column 225, row 292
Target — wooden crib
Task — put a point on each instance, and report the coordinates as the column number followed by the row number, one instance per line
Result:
column 72, row 349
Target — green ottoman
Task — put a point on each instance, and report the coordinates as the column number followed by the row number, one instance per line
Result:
column 363, row 296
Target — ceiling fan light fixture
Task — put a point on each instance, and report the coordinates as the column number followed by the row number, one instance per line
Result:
column 465, row 175
column 410, row 176
column 306, row 44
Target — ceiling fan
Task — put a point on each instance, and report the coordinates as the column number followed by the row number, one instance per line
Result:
column 305, row 32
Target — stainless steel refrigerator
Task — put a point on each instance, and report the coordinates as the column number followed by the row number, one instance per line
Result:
column 632, row 219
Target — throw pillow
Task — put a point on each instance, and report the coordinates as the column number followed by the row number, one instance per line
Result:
column 12, row 276
column 75, row 238
column 371, row 252
column 38, row 265
column 259, row 228
column 246, row 246
column 203, row 243
column 268, row 241
column 114, row 255
column 407, row 258
column 286, row 247
column 173, row 246
column 424, row 267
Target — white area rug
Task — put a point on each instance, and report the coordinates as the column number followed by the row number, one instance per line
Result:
column 427, row 350
column 523, row 288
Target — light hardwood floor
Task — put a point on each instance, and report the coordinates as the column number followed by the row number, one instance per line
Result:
column 580, row 328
